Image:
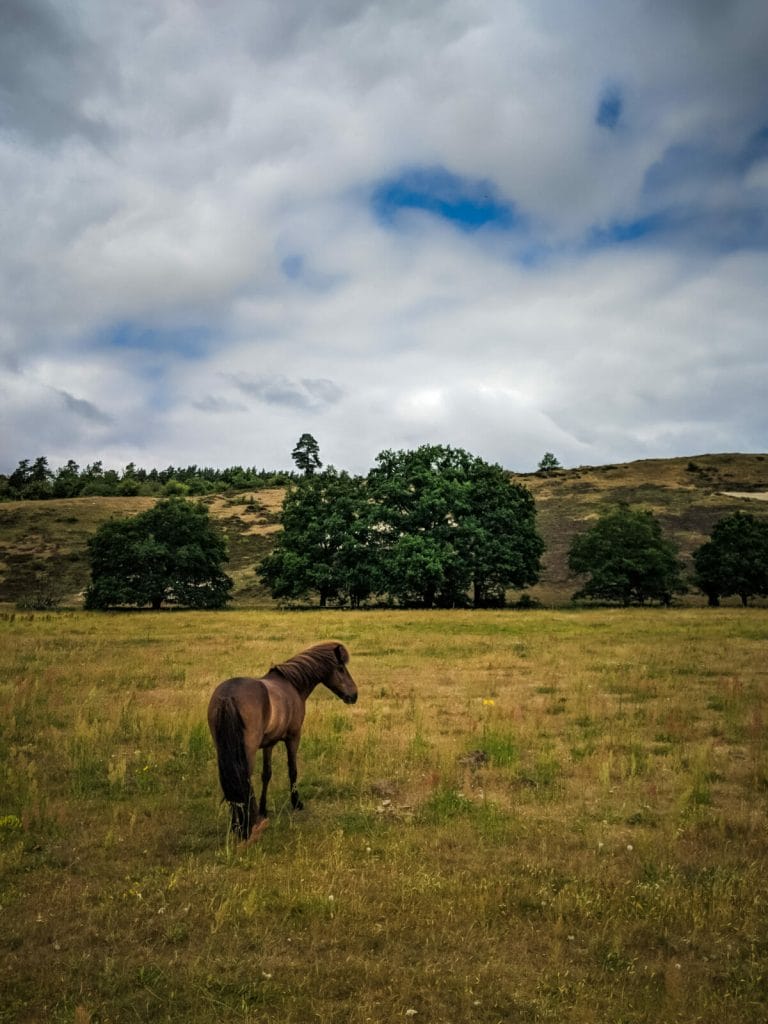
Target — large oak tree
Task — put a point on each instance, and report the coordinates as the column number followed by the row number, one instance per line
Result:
column 451, row 529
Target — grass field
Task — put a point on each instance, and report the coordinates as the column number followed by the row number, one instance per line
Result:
column 547, row 816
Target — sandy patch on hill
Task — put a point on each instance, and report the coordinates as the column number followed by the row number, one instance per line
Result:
column 755, row 495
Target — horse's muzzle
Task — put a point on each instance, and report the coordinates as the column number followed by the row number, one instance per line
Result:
column 350, row 698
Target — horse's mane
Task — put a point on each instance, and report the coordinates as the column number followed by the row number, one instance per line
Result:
column 312, row 665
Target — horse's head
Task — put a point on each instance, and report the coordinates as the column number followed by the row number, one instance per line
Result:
column 340, row 681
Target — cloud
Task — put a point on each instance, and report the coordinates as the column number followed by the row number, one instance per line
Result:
column 297, row 394
column 513, row 227
column 190, row 341
column 87, row 410
column 217, row 405
column 48, row 68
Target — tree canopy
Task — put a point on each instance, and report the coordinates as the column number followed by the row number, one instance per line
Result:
column 35, row 480
column 171, row 553
column 627, row 559
column 434, row 527
column 734, row 560
column 449, row 525
column 323, row 547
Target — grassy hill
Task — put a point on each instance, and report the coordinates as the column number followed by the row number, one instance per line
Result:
column 688, row 496
column 43, row 544
column 43, row 554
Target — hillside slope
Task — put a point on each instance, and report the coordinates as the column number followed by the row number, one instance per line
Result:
column 688, row 496
column 43, row 544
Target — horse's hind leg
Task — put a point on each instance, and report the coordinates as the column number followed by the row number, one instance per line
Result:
column 243, row 816
column 257, row 820
column 292, row 746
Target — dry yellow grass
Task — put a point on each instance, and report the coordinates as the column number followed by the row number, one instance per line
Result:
column 527, row 817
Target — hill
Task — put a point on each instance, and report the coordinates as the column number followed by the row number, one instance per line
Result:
column 688, row 496
column 43, row 543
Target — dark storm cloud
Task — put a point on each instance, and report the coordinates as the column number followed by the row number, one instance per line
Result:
column 47, row 69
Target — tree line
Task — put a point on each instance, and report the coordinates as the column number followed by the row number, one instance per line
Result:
column 434, row 527
column 626, row 559
column 34, row 480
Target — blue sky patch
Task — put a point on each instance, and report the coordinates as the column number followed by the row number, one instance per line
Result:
column 634, row 230
column 726, row 230
column 467, row 203
column 688, row 165
column 189, row 342
column 299, row 271
column 610, row 108
column 293, row 267
column 705, row 163
column 755, row 150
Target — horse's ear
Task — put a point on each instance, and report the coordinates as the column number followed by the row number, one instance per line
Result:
column 342, row 655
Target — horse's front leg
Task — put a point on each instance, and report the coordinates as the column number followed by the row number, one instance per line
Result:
column 292, row 746
column 266, row 775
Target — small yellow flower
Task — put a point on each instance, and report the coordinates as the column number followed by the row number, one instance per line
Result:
column 488, row 702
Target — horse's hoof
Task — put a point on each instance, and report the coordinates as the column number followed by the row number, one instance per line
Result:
column 257, row 831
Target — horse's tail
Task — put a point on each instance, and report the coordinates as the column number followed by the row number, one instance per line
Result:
column 234, row 772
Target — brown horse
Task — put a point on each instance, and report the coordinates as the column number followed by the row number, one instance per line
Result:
column 246, row 715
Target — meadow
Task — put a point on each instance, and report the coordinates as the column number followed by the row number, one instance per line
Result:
column 527, row 817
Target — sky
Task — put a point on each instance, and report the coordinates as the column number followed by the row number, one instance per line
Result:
column 509, row 226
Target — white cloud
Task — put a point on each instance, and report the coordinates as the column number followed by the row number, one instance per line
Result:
column 209, row 168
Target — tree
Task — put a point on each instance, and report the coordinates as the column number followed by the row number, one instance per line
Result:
column 31, row 482
column 500, row 537
column 323, row 547
column 548, row 463
column 627, row 559
column 306, row 455
column 67, row 481
column 734, row 560
column 446, row 524
column 415, row 496
column 171, row 552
